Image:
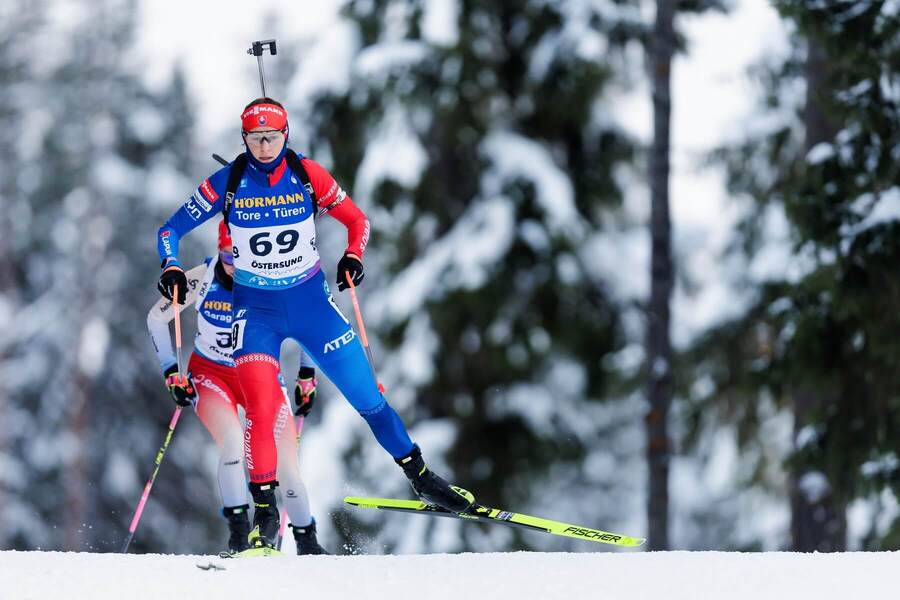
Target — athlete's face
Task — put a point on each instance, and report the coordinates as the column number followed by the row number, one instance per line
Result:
column 264, row 143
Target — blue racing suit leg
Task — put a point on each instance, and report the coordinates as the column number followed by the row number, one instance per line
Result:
column 328, row 338
column 258, row 323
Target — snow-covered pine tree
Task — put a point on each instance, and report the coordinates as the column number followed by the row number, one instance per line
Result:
column 99, row 161
column 19, row 20
column 477, row 138
column 818, row 340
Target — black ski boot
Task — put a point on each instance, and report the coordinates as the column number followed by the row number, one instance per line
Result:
column 306, row 540
column 266, row 521
column 428, row 486
column 239, row 526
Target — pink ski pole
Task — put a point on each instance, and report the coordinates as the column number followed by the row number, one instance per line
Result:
column 162, row 451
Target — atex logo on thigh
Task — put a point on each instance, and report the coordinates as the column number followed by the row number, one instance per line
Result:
column 339, row 342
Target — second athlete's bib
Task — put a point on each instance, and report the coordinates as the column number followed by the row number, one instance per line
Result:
column 213, row 305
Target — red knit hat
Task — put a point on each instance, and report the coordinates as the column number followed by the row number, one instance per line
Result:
column 264, row 115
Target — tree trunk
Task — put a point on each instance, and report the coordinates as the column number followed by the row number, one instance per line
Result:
column 818, row 518
column 75, row 479
column 658, row 344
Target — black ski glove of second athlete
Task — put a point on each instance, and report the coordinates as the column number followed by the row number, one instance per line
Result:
column 351, row 265
column 171, row 276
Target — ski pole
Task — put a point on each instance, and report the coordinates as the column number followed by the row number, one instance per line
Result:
column 172, row 423
column 257, row 50
column 159, row 456
column 176, row 308
column 362, row 331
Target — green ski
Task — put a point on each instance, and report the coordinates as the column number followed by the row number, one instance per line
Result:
column 257, row 548
column 486, row 514
column 257, row 551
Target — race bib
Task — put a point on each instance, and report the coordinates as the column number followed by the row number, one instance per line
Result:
column 213, row 306
column 214, row 340
column 274, row 255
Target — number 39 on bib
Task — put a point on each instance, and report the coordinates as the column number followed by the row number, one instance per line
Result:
column 237, row 334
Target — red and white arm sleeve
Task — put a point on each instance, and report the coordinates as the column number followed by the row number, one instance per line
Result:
column 329, row 195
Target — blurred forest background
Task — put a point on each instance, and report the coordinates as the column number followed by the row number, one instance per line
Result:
column 482, row 139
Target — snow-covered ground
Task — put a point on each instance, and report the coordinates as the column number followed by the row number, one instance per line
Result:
column 519, row 576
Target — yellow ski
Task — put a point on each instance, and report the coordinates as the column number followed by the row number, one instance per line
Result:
column 257, row 548
column 486, row 514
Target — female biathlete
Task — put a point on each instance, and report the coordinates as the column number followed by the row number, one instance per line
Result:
column 269, row 197
column 212, row 387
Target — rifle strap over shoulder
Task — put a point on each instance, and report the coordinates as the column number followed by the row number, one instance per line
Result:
column 234, row 180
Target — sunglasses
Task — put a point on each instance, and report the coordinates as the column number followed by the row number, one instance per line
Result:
column 226, row 257
column 258, row 137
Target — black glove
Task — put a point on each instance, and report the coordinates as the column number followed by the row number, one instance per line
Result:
column 173, row 275
column 305, row 391
column 180, row 386
column 353, row 266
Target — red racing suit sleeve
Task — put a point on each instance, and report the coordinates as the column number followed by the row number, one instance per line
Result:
column 339, row 205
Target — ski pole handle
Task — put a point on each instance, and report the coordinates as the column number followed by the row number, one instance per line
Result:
column 362, row 330
column 143, row 501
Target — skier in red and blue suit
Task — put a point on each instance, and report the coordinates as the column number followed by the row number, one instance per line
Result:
column 280, row 292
